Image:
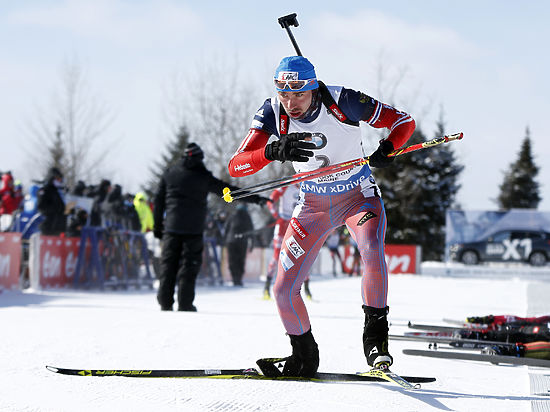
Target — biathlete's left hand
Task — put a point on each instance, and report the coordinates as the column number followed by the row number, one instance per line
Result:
column 379, row 158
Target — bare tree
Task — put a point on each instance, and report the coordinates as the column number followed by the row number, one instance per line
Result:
column 217, row 106
column 73, row 124
column 388, row 88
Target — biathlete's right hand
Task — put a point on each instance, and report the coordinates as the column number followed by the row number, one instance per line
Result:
column 290, row 147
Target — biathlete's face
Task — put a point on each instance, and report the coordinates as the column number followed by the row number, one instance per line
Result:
column 296, row 103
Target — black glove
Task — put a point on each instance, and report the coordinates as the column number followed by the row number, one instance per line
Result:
column 380, row 158
column 157, row 232
column 256, row 199
column 290, row 147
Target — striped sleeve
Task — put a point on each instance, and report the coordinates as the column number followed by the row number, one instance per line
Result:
column 249, row 157
column 400, row 124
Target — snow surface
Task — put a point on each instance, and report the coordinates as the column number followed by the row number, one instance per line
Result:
column 234, row 327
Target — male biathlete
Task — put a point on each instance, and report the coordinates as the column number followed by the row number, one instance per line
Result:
column 314, row 126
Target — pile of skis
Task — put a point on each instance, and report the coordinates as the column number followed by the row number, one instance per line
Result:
column 464, row 341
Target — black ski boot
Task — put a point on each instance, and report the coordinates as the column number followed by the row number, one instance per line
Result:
column 306, row 290
column 267, row 286
column 304, row 360
column 375, row 337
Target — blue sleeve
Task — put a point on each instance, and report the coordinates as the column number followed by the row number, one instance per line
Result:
column 264, row 119
column 356, row 105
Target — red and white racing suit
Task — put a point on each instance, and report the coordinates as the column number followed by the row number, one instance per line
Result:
column 350, row 197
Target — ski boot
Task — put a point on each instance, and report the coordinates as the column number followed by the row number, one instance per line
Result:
column 304, row 360
column 267, row 286
column 306, row 290
column 375, row 337
column 517, row 350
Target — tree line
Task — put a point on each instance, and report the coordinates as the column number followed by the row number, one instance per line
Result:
column 417, row 189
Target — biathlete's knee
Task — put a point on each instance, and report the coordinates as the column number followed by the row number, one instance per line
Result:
column 283, row 295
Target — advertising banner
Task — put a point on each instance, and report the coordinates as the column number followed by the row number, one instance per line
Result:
column 55, row 259
column 403, row 258
column 10, row 259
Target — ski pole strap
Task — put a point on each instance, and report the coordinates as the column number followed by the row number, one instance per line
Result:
column 330, row 103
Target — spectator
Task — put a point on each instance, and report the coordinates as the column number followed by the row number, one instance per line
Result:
column 77, row 220
column 51, row 204
column 238, row 239
column 112, row 208
column 182, row 195
column 90, row 191
column 79, row 188
column 131, row 218
column 18, row 194
column 332, row 243
column 99, row 196
column 7, row 196
column 144, row 212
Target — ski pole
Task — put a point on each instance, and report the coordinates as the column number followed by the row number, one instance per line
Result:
column 228, row 196
column 328, row 169
column 300, row 177
column 286, row 22
column 429, row 143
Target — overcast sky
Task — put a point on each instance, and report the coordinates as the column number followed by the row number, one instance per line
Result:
column 486, row 63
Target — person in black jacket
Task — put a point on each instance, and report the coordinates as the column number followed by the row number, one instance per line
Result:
column 77, row 220
column 179, row 212
column 99, row 197
column 112, row 208
column 51, row 205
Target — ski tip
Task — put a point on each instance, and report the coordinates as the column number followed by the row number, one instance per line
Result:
column 52, row 369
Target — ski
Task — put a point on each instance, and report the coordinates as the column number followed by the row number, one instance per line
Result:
column 457, row 322
column 455, row 342
column 495, row 359
column 432, row 333
column 251, row 373
column 158, row 373
column 437, row 328
column 403, row 381
column 465, row 325
column 275, row 366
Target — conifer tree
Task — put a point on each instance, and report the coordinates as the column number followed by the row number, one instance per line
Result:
column 417, row 191
column 174, row 150
column 519, row 188
column 56, row 151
